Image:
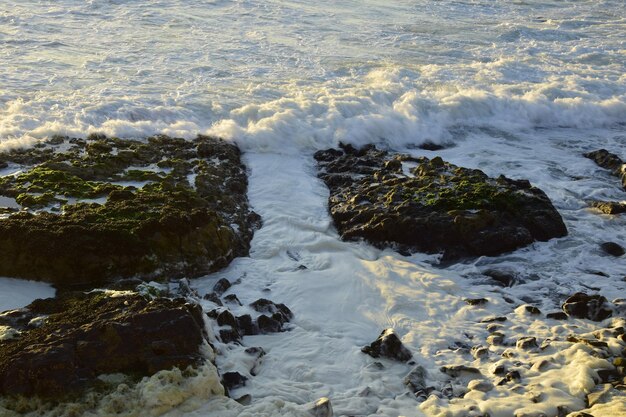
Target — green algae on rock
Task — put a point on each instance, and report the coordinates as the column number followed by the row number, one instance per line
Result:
column 100, row 209
column 429, row 205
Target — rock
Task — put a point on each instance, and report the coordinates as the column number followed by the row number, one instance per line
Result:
column 232, row 380
column 268, row 324
column 213, row 298
column 221, row 286
column 610, row 161
column 479, row 352
column 583, row 306
column 525, row 343
column 479, row 385
column 321, row 408
column 532, row 310
column 557, row 315
column 493, row 319
column 456, row 370
column 609, row 207
column 86, row 335
column 232, row 299
column 168, row 227
column 476, row 301
column 279, row 312
column 598, row 394
column 502, row 278
column 438, row 207
column 247, row 326
column 416, row 379
column 245, row 399
column 612, row 248
column 388, row 345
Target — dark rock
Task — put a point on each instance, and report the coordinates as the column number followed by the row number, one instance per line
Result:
column 416, row 379
column 213, row 298
column 246, row 325
column 169, row 227
column 532, row 310
column 610, row 161
column 476, row 301
column 583, row 306
column 268, row 324
column 388, row 345
column 612, row 248
column 456, row 370
column 495, row 338
column 232, row 299
column 441, row 208
column 230, row 336
column 245, row 399
column 232, row 380
column 263, row 305
column 608, row 375
column 557, row 315
column 502, row 278
column 431, row 146
column 226, row 318
column 526, row 343
column 86, row 335
column 221, row 286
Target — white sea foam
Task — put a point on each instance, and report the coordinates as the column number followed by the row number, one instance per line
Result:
column 519, row 88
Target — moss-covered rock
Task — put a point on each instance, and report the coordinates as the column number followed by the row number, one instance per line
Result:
column 431, row 205
column 64, row 344
column 101, row 209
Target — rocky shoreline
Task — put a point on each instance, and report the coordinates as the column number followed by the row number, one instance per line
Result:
column 119, row 226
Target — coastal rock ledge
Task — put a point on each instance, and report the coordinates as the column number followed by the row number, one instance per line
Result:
column 432, row 206
column 81, row 213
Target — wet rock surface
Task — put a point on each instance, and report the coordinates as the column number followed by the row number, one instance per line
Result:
column 388, row 345
column 583, row 306
column 79, row 336
column 610, row 161
column 429, row 205
column 99, row 209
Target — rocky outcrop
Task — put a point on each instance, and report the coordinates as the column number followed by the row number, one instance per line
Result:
column 100, row 209
column 62, row 345
column 429, row 205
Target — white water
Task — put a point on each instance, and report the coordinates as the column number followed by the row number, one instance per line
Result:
column 521, row 88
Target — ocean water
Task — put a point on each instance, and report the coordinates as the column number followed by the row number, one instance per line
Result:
column 520, row 88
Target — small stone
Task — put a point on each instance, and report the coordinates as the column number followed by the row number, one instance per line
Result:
column 495, row 339
column 476, row 301
column 493, row 319
column 221, row 286
column 226, row 318
column 612, row 249
column 499, row 370
column 607, row 375
column 619, row 362
column 479, row 352
column 232, row 380
column 268, row 325
column 526, row 343
column 213, row 298
column 232, row 299
column 479, row 385
column 557, row 315
column 532, row 310
column 246, row 325
column 321, row 408
column 502, row 278
column 416, row 379
column 388, row 345
column 583, row 306
column 456, row 370
column 244, row 399
column 513, row 376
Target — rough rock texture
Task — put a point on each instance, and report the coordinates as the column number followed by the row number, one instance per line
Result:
column 388, row 345
column 120, row 208
column 432, row 206
column 583, row 306
column 85, row 335
column 610, row 161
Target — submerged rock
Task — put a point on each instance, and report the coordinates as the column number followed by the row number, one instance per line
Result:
column 429, row 205
column 107, row 208
column 612, row 248
column 388, row 345
column 609, row 207
column 86, row 335
column 321, row 408
column 583, row 306
column 610, row 161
